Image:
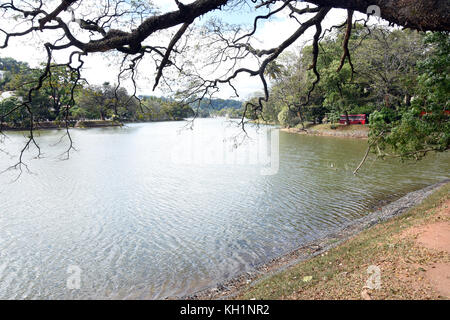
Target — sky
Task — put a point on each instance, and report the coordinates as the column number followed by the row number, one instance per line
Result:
column 99, row 68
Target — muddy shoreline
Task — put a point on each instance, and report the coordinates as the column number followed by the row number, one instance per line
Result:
column 232, row 287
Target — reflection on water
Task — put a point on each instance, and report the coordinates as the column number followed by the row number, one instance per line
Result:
column 141, row 225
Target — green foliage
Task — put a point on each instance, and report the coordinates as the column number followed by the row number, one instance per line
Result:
column 283, row 117
column 287, row 118
column 177, row 111
column 228, row 112
column 401, row 79
column 363, row 109
column 218, row 107
column 333, row 117
column 413, row 131
column 9, row 68
column 12, row 65
column 13, row 114
column 61, row 97
column 434, row 80
column 274, row 70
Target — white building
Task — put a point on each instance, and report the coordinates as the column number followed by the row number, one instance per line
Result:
column 2, row 74
column 6, row 95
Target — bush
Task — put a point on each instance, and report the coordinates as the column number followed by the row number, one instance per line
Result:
column 365, row 109
column 287, row 118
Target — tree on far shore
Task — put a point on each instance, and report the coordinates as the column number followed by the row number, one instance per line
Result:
column 134, row 30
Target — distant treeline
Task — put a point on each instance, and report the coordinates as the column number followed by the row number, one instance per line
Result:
column 218, row 108
column 400, row 78
column 389, row 72
column 211, row 107
column 54, row 101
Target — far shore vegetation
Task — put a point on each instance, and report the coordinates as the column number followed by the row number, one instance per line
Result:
column 399, row 78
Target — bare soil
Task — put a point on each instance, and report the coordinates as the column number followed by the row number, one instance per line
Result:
column 435, row 236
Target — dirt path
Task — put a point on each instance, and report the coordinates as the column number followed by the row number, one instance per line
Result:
column 434, row 236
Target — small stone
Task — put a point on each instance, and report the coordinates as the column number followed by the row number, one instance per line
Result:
column 365, row 295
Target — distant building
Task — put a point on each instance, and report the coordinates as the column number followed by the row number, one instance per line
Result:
column 2, row 74
column 6, row 95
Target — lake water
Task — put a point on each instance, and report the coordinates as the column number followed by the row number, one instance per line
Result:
column 154, row 210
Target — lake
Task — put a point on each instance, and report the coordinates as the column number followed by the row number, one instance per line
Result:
column 153, row 210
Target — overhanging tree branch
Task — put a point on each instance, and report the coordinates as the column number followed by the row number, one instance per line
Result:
column 112, row 30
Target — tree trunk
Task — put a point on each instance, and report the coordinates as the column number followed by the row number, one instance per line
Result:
column 347, row 119
column 386, row 100
column 301, row 119
column 408, row 100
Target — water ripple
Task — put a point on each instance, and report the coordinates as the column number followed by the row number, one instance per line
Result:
column 140, row 225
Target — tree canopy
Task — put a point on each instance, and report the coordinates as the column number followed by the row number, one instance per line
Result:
column 399, row 78
column 60, row 99
column 134, row 30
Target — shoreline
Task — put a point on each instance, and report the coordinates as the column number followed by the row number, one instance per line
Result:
column 78, row 124
column 61, row 125
column 352, row 133
column 232, row 287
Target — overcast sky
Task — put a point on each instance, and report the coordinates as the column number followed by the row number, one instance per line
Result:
column 98, row 68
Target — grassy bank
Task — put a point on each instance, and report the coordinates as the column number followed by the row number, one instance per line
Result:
column 326, row 129
column 337, row 130
column 411, row 252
